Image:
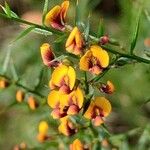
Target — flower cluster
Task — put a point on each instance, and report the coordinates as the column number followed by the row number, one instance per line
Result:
column 67, row 95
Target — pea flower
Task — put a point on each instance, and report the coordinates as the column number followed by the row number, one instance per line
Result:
column 108, row 88
column 63, row 78
column 76, row 145
column 43, row 131
column 94, row 60
column 74, row 43
column 99, row 108
column 56, row 16
column 66, row 127
column 65, row 104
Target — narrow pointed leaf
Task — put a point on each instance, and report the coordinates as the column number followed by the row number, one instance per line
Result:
column 135, row 33
column 77, row 15
column 100, row 31
column 87, row 29
column 8, row 10
column 42, row 32
column 24, row 33
column 45, row 9
column 92, row 4
column 13, row 14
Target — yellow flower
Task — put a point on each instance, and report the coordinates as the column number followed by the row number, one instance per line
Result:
column 77, row 145
column 99, row 108
column 74, row 43
column 20, row 96
column 56, row 16
column 66, row 127
column 63, row 78
column 108, row 88
column 94, row 60
column 65, row 104
column 47, row 55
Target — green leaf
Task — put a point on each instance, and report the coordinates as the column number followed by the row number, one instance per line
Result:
column 8, row 10
column 147, row 14
column 77, row 15
column 93, row 3
column 7, row 60
column 135, row 33
column 97, row 146
column 61, row 38
column 100, row 31
column 14, row 15
column 13, row 70
column 87, row 29
column 24, row 33
column 42, row 32
column 45, row 9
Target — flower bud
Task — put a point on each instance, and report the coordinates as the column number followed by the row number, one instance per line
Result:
column 43, row 127
column 20, row 96
column 107, row 88
column 32, row 103
column 104, row 40
column 42, row 137
column 3, row 83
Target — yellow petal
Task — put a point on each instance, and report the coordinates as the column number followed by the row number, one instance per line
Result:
column 77, row 97
column 88, row 113
column 53, row 99
column 52, row 15
column 76, row 145
column 104, row 104
column 84, row 61
column 46, row 53
column 43, row 127
column 58, row 75
column 64, row 9
column 72, row 77
column 101, row 55
column 71, row 37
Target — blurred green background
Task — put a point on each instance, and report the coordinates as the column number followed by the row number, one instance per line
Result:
column 20, row 124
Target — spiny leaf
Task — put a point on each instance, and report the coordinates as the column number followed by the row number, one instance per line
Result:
column 8, row 10
column 87, row 29
column 100, row 31
column 13, row 14
column 135, row 33
column 24, row 33
column 45, row 9
column 42, row 31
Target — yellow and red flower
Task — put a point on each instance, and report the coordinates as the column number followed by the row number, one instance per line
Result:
column 98, row 109
column 94, row 60
column 76, row 145
column 65, row 104
column 74, row 43
column 66, row 127
column 63, row 79
column 48, row 55
column 57, row 15
column 108, row 88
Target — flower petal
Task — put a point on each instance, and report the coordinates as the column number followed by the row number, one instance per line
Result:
column 101, row 55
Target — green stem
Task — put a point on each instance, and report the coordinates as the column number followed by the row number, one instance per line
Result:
column 137, row 58
column 22, row 86
column 31, row 24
